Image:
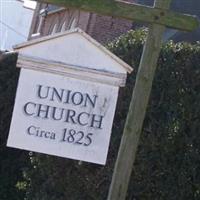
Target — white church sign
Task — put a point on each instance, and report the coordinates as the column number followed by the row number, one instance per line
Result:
column 66, row 97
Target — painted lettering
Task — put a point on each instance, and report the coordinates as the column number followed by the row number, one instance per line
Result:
column 38, row 132
column 28, row 108
column 64, row 96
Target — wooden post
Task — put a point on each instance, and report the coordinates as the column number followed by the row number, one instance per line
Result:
column 137, row 109
column 130, row 11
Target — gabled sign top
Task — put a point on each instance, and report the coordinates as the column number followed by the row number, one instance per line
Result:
column 75, row 48
column 66, row 97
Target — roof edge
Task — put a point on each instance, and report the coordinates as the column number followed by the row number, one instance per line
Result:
column 127, row 67
column 45, row 38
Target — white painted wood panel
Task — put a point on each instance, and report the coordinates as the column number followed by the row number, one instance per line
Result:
column 66, row 96
column 38, row 125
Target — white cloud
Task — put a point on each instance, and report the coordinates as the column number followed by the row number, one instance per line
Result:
column 29, row 4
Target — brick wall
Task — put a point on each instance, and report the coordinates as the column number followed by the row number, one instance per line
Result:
column 105, row 28
column 101, row 28
column 108, row 28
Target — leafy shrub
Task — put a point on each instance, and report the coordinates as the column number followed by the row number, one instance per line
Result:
column 168, row 160
column 12, row 162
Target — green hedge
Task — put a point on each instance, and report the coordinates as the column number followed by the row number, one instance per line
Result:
column 12, row 162
column 167, row 166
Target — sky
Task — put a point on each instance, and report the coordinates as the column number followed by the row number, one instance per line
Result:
column 30, row 4
column 15, row 21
